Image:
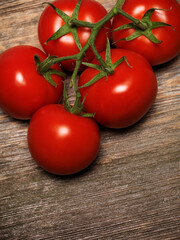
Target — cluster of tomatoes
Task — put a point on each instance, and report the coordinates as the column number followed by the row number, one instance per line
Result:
column 65, row 143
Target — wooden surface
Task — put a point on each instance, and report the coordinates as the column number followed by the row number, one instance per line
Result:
column 132, row 191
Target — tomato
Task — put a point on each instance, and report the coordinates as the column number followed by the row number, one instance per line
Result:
column 50, row 22
column 61, row 142
column 155, row 53
column 22, row 89
column 121, row 99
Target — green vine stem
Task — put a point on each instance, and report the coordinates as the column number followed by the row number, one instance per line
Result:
column 79, row 23
column 95, row 28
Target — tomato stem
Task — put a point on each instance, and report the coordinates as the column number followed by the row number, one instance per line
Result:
column 137, row 22
column 95, row 28
column 78, row 23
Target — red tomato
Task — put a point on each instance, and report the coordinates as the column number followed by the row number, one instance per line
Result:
column 155, row 53
column 22, row 89
column 61, row 142
column 122, row 98
column 50, row 22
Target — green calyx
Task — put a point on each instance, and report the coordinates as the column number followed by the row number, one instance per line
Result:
column 68, row 27
column 44, row 69
column 143, row 27
column 78, row 107
column 104, row 71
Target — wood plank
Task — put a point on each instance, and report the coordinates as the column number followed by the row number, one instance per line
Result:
column 131, row 191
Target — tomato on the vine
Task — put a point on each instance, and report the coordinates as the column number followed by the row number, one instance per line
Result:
column 61, row 142
column 121, row 99
column 50, row 22
column 156, row 53
column 22, row 89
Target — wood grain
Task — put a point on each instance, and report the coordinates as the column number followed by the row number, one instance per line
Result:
column 131, row 191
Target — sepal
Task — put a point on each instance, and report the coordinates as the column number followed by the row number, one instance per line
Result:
column 66, row 28
column 43, row 68
column 146, row 19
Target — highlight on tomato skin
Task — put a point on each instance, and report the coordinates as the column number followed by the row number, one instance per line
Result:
column 123, row 98
column 49, row 22
column 155, row 53
column 60, row 142
column 22, row 89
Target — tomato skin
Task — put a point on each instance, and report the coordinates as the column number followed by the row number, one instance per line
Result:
column 121, row 99
column 155, row 53
column 22, row 89
column 50, row 22
column 61, row 142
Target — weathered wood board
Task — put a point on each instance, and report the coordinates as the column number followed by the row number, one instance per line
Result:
column 131, row 191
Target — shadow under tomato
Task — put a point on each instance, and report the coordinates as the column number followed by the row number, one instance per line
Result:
column 78, row 175
column 166, row 65
column 6, row 118
column 131, row 128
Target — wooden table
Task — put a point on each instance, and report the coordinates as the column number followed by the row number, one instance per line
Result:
column 131, row 191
